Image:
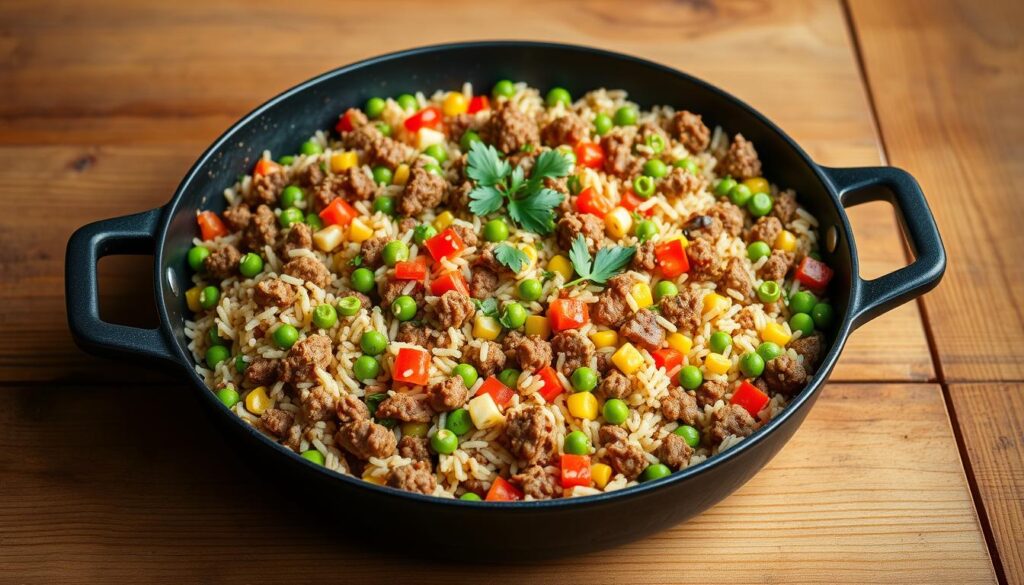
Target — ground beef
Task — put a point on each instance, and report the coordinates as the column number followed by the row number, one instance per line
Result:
column 492, row 364
column 705, row 227
column 487, row 260
column 784, row 375
column 415, row 448
column 618, row 152
column 294, row 438
column 533, row 353
column 305, row 356
column 276, row 421
column 274, row 292
column 309, row 270
column 622, row 455
column 679, row 182
column 683, row 310
column 318, row 404
column 735, row 277
column 703, row 260
column 237, row 217
column 614, row 385
column 482, row 283
column 447, row 395
column 223, row 263
column 379, row 149
column 538, row 483
column 510, row 345
column 568, row 129
column 710, row 392
column 611, row 308
column 467, row 234
column 643, row 330
column 457, row 125
column 766, row 229
column 372, row 249
column 366, row 439
column 730, row 215
column 406, row 408
column 352, row 184
column 560, row 184
column 454, row 309
column 605, row 366
column 425, row 190
column 576, row 347
column 571, row 225
column 509, row 129
column 350, row 409
column 777, row 265
column 732, row 419
column 262, row 372
column 421, row 336
column 310, row 175
column 356, row 118
column 740, row 161
column 745, row 318
column 812, row 348
column 299, row 237
column 529, row 433
column 266, row 188
column 458, row 194
column 416, row 477
column 674, row 451
column 784, row 206
column 689, row 129
column 644, row 259
column 679, row 405
column 262, row 229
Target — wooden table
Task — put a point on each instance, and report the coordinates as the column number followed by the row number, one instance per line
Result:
column 909, row 469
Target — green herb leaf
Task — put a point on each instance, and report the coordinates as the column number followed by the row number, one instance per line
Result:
column 607, row 263
column 535, row 212
column 511, row 257
column 550, row 164
column 580, row 256
column 356, row 261
column 485, row 166
column 516, row 181
column 488, row 306
column 485, row 199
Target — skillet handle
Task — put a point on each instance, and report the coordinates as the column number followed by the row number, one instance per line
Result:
column 861, row 185
column 131, row 234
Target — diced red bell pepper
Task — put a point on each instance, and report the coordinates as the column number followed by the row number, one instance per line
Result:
column 415, row 269
column 264, row 167
column 412, row 366
column 345, row 122
column 671, row 257
column 575, row 470
column 552, row 386
column 428, row 117
column 667, row 358
column 590, row 154
column 501, row 393
column 445, row 244
column 338, row 212
column 502, row 491
column 750, row 398
column 568, row 314
column 210, row 225
column 590, row 202
column 478, row 103
column 449, row 281
column 815, row 274
column 630, row 201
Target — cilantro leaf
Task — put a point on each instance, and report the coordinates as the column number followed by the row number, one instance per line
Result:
column 485, row 199
column 580, row 255
column 606, row 263
column 485, row 166
column 550, row 164
column 510, row 256
column 488, row 306
column 516, row 181
column 535, row 212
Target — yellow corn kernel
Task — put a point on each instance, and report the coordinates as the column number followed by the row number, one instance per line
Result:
column 374, row 479
column 617, row 222
column 582, row 405
column 641, row 293
column 604, row 339
column 454, row 104
column 358, row 231
column 426, row 137
column 627, row 358
column 328, row 238
column 443, row 220
column 561, row 265
column 343, row 161
column 192, row 298
column 486, row 328
column 758, row 185
column 776, row 334
column 401, row 175
column 538, row 325
column 600, row 473
column 257, row 401
column 786, row 241
column 415, row 429
column 680, row 343
column 484, row 412
column 714, row 302
column 717, row 363
column 531, row 253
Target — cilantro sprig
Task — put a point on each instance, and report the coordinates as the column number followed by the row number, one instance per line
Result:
column 606, row 263
column 511, row 257
column 530, row 204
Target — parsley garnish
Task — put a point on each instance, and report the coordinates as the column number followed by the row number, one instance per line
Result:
column 510, row 256
column 488, row 306
column 607, row 263
column 530, row 204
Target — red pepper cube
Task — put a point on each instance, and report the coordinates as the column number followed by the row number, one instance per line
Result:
column 667, row 358
column 630, row 201
column 590, row 155
column 502, row 491
column 671, row 257
column 589, row 202
column 575, row 470
column 264, row 167
column 449, row 281
column 813, row 273
column 478, row 103
column 501, row 393
column 750, row 398
column 210, row 225
column 415, row 269
column 412, row 366
column 552, row 386
column 338, row 212
column 345, row 122
column 428, row 117
column 445, row 244
column 568, row 314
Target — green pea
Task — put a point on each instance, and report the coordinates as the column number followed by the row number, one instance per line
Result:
column 514, row 316
column 724, row 186
column 558, row 95
column 436, row 152
column 664, row 289
column 655, row 142
column 240, row 364
column 383, row 128
column 422, row 233
column 394, row 252
column 656, row 471
column 374, row 107
column 690, row 377
column 655, row 168
column 214, row 334
column 286, row 160
column 752, row 365
column 584, row 379
column 285, row 336
column 602, row 124
column 363, row 280
column 769, row 291
column 292, row 196
column 802, row 302
column 407, row 102
column 467, row 140
column 433, row 169
column 385, row 205
column 196, row 257
column 373, row 342
column 740, row 194
column 643, row 186
column 720, row 341
column 760, row 204
column 530, row 289
column 458, row 421
column 504, row 88
column 404, row 308
column 444, row 442
column 325, row 316
column 615, row 411
column 208, row 297
column 313, row 455
column 689, row 434
column 803, row 323
column 470, row 497
column 228, row 396
column 769, row 351
column 625, row 116
column 645, row 230
column 349, row 306
column 382, row 175
column 366, row 368
column 758, row 250
column 495, row 231
column 314, row 222
column 576, row 443
column 467, row 373
column 250, row 265
column 688, row 165
column 509, row 377
column 823, row 315
column 310, row 148
column 290, row 216
column 216, row 354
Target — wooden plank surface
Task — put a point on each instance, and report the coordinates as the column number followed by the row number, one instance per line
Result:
column 102, row 484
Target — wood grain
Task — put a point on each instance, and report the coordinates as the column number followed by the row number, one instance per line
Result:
column 94, row 492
